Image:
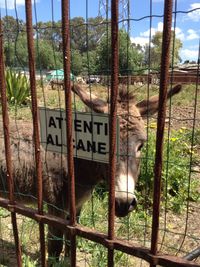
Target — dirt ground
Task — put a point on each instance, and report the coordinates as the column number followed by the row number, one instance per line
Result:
column 184, row 117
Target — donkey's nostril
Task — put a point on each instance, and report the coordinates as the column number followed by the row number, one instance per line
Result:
column 122, row 208
column 133, row 204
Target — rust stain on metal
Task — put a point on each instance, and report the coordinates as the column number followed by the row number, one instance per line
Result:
column 113, row 121
column 8, row 148
column 31, row 56
column 68, row 107
column 160, row 123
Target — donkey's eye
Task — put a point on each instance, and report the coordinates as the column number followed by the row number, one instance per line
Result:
column 140, row 146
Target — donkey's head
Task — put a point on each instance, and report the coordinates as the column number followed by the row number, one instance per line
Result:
column 132, row 138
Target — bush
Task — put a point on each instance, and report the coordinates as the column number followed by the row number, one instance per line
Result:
column 177, row 183
column 18, row 88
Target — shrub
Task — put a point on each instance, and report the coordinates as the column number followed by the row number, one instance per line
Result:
column 18, row 88
column 177, row 183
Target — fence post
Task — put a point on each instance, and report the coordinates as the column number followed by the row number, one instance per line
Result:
column 165, row 61
column 6, row 129
column 70, row 159
column 35, row 116
column 113, row 120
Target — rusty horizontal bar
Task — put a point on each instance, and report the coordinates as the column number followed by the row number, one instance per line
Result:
column 92, row 235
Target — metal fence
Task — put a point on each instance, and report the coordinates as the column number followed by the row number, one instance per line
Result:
column 109, row 240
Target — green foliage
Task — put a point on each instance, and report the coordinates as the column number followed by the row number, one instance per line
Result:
column 11, row 27
column 89, row 40
column 85, row 35
column 47, row 57
column 63, row 262
column 18, row 88
column 177, row 185
column 28, row 262
column 90, row 65
column 16, row 52
column 130, row 57
column 156, row 49
column 78, row 31
column 4, row 213
column 76, row 62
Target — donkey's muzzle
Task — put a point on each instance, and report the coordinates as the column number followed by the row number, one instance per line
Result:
column 122, row 208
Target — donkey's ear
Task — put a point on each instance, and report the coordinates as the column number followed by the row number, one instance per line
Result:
column 150, row 106
column 90, row 100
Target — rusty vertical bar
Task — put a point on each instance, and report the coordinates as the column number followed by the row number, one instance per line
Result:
column 164, row 77
column 68, row 107
column 31, row 57
column 113, row 120
column 6, row 129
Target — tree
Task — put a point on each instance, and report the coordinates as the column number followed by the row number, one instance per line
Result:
column 78, row 34
column 11, row 28
column 85, row 35
column 47, row 57
column 14, row 41
column 130, row 57
column 16, row 53
column 49, row 31
column 76, row 62
column 90, row 60
column 96, row 29
column 156, row 50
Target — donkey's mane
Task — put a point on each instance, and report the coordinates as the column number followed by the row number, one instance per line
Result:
column 125, row 95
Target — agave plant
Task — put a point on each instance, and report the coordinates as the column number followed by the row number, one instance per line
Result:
column 18, row 88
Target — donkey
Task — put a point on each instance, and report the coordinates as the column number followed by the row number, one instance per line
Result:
column 87, row 173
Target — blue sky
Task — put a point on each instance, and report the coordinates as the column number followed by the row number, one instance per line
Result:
column 187, row 25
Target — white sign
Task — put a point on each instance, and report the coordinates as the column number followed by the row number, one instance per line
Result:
column 90, row 134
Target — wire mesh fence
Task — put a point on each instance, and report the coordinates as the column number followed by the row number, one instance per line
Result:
column 61, row 204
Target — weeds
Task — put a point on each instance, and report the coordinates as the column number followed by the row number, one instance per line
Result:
column 179, row 157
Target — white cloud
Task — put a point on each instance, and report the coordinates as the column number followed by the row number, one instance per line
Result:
column 179, row 33
column 192, row 34
column 153, row 30
column 194, row 15
column 188, row 54
column 143, row 37
column 159, row 28
column 140, row 40
column 194, row 47
column 10, row 4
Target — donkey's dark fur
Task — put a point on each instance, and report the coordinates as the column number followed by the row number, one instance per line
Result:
column 87, row 173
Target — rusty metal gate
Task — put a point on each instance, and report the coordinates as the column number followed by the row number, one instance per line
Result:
column 71, row 227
